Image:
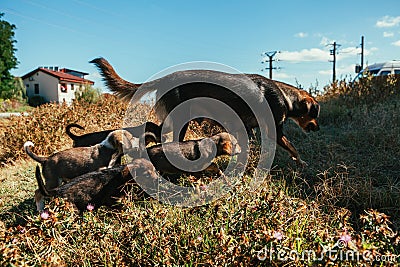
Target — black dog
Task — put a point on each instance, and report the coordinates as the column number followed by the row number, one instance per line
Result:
column 91, row 139
column 285, row 101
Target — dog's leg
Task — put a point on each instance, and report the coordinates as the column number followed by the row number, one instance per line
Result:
column 285, row 143
column 214, row 169
column 39, row 200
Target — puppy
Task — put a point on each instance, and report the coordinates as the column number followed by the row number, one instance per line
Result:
column 150, row 129
column 65, row 165
column 99, row 188
column 192, row 150
column 285, row 101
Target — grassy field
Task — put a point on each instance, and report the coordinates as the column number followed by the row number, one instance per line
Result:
column 341, row 210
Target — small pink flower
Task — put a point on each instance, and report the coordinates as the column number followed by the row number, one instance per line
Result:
column 277, row 235
column 203, row 187
column 90, row 207
column 345, row 238
column 44, row 215
column 199, row 238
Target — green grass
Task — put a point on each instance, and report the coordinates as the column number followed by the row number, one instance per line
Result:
column 349, row 189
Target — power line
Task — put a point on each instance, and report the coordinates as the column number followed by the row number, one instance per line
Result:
column 271, row 59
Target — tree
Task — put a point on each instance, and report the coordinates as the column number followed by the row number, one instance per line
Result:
column 8, row 60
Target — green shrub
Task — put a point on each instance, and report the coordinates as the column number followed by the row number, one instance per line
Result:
column 88, row 94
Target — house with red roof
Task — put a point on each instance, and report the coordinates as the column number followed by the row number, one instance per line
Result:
column 55, row 85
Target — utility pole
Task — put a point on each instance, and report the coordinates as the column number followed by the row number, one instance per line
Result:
column 362, row 52
column 333, row 53
column 361, row 66
column 270, row 56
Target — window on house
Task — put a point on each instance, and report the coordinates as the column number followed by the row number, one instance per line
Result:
column 27, row 85
column 63, row 87
column 36, row 88
column 72, row 86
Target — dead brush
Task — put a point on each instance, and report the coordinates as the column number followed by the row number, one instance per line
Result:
column 45, row 125
column 338, row 186
column 229, row 232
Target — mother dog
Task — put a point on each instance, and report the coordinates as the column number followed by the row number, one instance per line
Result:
column 285, row 101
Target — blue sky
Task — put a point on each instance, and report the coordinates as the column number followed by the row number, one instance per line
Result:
column 141, row 38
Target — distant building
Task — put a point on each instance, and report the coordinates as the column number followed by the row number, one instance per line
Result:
column 54, row 85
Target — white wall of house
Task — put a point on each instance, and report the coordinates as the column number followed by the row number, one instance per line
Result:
column 69, row 95
column 47, row 86
column 50, row 88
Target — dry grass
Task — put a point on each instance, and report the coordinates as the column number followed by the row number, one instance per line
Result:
column 353, row 167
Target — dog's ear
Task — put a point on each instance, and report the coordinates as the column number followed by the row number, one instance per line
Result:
column 114, row 159
column 227, row 148
column 118, row 140
column 314, row 110
column 310, row 107
column 128, row 141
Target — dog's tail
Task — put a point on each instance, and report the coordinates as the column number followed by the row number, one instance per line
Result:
column 122, row 88
column 28, row 151
column 68, row 130
column 42, row 187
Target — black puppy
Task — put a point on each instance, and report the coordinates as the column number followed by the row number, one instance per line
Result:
column 90, row 139
column 99, row 188
column 218, row 145
column 285, row 101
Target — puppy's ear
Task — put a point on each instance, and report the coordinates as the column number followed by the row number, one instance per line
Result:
column 207, row 148
column 227, row 148
column 128, row 141
column 114, row 159
column 118, row 142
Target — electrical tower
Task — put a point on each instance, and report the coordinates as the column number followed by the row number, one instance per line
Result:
column 334, row 52
column 271, row 59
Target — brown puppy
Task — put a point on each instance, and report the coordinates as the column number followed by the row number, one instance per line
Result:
column 192, row 150
column 285, row 101
column 91, row 139
column 65, row 165
column 99, row 188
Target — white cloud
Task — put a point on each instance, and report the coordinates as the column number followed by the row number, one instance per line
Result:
column 325, row 72
column 387, row 22
column 313, row 54
column 281, row 75
column 349, row 51
column 341, row 71
column 325, row 41
column 397, row 43
column 301, row 34
column 388, row 34
column 323, row 55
